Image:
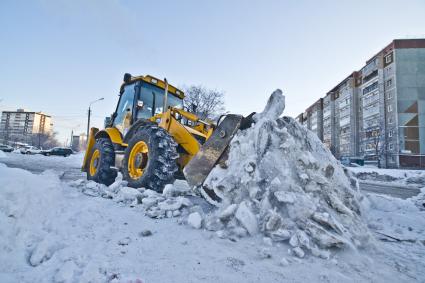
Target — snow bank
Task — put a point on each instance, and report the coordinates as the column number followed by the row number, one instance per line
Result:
column 397, row 219
column 173, row 202
column 398, row 176
column 52, row 232
column 2, row 154
column 282, row 182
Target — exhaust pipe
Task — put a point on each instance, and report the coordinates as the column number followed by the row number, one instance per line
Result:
column 164, row 106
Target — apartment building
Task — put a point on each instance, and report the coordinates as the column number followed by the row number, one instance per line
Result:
column 347, row 126
column 378, row 112
column 314, row 117
column 329, row 122
column 20, row 125
column 405, row 102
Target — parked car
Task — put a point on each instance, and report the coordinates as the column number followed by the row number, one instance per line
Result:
column 61, row 151
column 30, row 150
column 6, row 148
column 352, row 161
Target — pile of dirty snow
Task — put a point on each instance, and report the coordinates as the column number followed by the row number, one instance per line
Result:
column 404, row 177
column 282, row 182
column 174, row 201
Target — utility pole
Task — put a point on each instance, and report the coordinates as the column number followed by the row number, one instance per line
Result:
column 88, row 124
column 88, row 118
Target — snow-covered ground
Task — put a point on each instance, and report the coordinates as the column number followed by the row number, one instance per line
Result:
column 57, row 163
column 289, row 212
column 52, row 230
column 402, row 177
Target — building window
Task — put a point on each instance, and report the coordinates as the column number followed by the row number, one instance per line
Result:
column 390, row 108
column 392, row 159
column 389, row 83
column 388, row 58
column 390, row 146
column 390, row 133
column 390, row 120
column 389, row 95
column 370, row 88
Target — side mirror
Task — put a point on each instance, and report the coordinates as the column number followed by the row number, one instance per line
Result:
column 140, row 104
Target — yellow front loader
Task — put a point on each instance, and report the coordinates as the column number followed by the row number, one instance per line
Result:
column 151, row 139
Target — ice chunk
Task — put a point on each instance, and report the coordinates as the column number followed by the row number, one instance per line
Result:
column 228, row 212
column 129, row 195
column 247, row 218
column 285, row 197
column 274, row 107
column 195, row 220
column 298, row 252
column 174, row 203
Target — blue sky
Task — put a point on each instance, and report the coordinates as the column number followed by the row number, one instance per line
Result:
column 57, row 56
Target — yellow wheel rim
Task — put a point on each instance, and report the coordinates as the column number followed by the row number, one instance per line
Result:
column 137, row 160
column 94, row 162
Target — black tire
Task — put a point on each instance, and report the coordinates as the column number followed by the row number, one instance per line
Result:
column 104, row 174
column 160, row 166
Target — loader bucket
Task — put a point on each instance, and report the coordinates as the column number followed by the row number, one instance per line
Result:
column 199, row 167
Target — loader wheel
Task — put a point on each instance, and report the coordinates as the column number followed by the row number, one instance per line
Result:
column 150, row 159
column 102, row 158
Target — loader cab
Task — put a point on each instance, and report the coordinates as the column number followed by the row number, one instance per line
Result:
column 142, row 98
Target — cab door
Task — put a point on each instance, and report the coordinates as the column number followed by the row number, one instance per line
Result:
column 124, row 112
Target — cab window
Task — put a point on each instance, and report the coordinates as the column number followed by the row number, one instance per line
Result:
column 126, row 103
column 153, row 100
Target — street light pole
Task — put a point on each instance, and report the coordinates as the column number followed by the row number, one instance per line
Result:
column 88, row 118
column 88, row 125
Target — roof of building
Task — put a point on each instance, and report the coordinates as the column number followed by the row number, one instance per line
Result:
column 400, row 44
column 20, row 111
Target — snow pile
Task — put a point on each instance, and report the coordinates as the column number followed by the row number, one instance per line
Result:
column 397, row 176
column 419, row 200
column 396, row 219
column 282, row 182
column 2, row 154
column 173, row 202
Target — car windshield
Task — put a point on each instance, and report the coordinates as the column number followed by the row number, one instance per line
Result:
column 153, row 99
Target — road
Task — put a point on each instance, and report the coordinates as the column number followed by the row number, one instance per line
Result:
column 71, row 171
column 68, row 166
column 389, row 189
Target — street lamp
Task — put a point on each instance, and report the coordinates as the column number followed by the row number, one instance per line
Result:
column 88, row 119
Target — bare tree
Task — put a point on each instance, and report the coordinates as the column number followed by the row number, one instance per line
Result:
column 378, row 144
column 44, row 140
column 206, row 103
